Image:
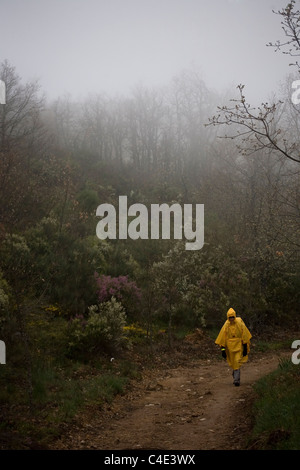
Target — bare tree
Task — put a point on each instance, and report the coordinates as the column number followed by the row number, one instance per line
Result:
column 256, row 128
column 24, row 149
column 291, row 27
column 20, row 123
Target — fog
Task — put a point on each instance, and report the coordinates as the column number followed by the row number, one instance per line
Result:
column 139, row 204
column 84, row 46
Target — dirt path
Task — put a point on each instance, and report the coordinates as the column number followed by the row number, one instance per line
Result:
column 182, row 408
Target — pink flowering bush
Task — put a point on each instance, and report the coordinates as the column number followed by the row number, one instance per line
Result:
column 123, row 289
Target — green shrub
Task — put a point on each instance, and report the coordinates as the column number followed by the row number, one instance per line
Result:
column 103, row 329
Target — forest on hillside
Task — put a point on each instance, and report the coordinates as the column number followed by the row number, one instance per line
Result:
column 65, row 292
column 59, row 162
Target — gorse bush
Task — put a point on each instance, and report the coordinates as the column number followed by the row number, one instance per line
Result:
column 102, row 329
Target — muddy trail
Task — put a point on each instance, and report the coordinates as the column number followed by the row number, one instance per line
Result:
column 193, row 406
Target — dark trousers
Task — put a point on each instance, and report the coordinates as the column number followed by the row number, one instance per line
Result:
column 236, row 376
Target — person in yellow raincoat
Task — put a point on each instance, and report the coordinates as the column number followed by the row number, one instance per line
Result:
column 234, row 339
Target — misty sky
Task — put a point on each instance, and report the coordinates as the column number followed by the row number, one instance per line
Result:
column 84, row 46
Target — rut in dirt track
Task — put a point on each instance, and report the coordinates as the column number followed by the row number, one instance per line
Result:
column 183, row 408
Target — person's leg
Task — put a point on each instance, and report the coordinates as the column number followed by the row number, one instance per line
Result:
column 236, row 377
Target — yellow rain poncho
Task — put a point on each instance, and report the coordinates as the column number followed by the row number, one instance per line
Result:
column 232, row 337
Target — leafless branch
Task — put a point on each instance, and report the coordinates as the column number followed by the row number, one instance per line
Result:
column 255, row 127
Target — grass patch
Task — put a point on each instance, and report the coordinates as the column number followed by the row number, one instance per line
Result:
column 266, row 346
column 63, row 393
column 277, row 410
column 42, row 388
column 60, row 390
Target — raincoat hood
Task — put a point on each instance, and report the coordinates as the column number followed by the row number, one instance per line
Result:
column 231, row 313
